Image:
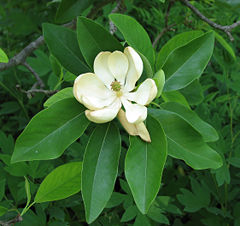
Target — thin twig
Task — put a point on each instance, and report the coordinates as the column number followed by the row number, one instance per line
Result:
column 22, row 55
column 117, row 8
column 227, row 28
column 167, row 27
column 18, row 218
column 47, row 92
column 39, row 80
column 164, row 30
column 99, row 5
column 31, row 92
column 20, row 58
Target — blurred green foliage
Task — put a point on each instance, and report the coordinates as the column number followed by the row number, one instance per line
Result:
column 187, row 197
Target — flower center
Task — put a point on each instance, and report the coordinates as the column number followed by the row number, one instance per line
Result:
column 116, row 86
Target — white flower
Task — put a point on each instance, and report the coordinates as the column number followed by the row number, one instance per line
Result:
column 110, row 86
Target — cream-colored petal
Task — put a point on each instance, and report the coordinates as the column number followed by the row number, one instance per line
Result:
column 134, row 129
column 135, row 68
column 135, row 113
column 91, row 92
column 101, row 68
column 118, row 65
column 145, row 94
column 106, row 114
column 143, row 132
column 129, row 127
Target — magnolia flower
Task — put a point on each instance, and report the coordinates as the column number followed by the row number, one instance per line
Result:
column 111, row 86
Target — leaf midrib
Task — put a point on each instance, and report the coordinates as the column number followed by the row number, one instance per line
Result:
column 52, row 133
column 145, row 176
column 173, row 74
column 69, row 178
column 193, row 153
column 67, row 48
column 100, row 152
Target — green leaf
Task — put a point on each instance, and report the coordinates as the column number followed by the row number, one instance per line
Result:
column 223, row 174
column 2, row 188
column 62, row 94
column 56, row 67
column 62, row 42
column 3, row 210
column 51, row 131
column 129, row 214
column 100, row 166
column 147, row 68
column 37, row 63
column 27, row 190
column 193, row 93
column 195, row 200
column 144, row 165
column 187, row 63
column 159, row 79
column 164, row 203
column 155, row 213
column 208, row 133
column 141, row 220
column 3, row 56
column 185, row 143
column 234, row 161
column 135, row 35
column 69, row 9
column 28, row 193
column 175, row 96
column 225, row 45
column 174, row 43
column 93, row 38
column 115, row 200
column 61, row 183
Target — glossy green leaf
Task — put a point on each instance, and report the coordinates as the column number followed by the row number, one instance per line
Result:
column 159, row 79
column 144, row 165
column 135, row 35
column 185, row 143
column 175, row 96
column 208, row 133
column 62, row 42
column 225, row 45
column 3, row 56
column 94, row 38
column 147, row 68
column 27, row 190
column 28, row 193
column 56, row 67
column 100, row 166
column 62, row 94
column 3, row 210
column 176, row 42
column 193, row 93
column 61, row 183
column 51, row 131
column 187, row 63
column 69, row 9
